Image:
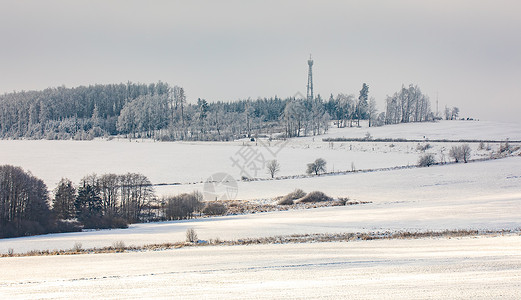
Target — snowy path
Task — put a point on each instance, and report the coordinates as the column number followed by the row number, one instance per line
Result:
column 465, row 268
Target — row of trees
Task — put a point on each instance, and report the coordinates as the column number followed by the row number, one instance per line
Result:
column 160, row 111
column 108, row 200
column 457, row 153
column 182, row 206
column 65, row 113
column 105, row 201
column 408, row 105
column 24, row 206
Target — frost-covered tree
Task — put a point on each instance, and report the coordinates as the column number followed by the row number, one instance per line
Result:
column 456, row 153
column 371, row 111
column 293, row 117
column 465, row 152
column 454, row 113
column 408, row 105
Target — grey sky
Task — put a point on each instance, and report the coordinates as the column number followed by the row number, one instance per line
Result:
column 467, row 52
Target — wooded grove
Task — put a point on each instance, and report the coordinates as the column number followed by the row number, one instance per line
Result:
column 162, row 112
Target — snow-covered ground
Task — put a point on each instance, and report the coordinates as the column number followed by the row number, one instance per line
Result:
column 179, row 162
column 187, row 162
column 457, row 268
column 480, row 195
column 449, row 130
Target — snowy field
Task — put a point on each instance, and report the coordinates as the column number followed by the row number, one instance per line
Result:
column 457, row 268
column 449, row 130
column 480, row 195
column 483, row 195
column 189, row 162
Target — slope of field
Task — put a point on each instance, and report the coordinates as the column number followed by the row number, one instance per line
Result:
column 187, row 162
column 480, row 195
column 448, row 130
column 483, row 195
column 457, row 268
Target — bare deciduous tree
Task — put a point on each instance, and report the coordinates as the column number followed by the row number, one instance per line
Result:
column 465, row 152
column 455, row 153
column 460, row 153
column 23, row 203
column 318, row 166
column 273, row 167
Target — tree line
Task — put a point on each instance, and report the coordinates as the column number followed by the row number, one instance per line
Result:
column 161, row 111
column 408, row 105
column 106, row 201
column 69, row 113
column 96, row 202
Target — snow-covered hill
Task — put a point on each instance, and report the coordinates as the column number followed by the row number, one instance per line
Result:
column 484, row 195
column 481, row 195
column 187, row 162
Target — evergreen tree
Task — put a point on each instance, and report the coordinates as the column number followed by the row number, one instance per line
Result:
column 64, row 198
column 88, row 205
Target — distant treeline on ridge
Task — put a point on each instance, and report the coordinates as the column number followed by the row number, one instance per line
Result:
column 160, row 111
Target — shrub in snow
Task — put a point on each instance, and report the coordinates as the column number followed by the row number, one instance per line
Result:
column 183, row 206
column 343, row 200
column 191, row 235
column 285, row 201
column 315, row 196
column 423, row 147
column 214, row 209
column 77, row 247
column 504, row 147
column 291, row 197
column 119, row 245
column 426, row 160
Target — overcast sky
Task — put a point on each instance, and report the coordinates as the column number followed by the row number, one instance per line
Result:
column 465, row 53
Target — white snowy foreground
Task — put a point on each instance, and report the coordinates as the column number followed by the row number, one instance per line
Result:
column 457, row 268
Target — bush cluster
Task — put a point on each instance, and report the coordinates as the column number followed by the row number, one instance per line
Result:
column 215, row 209
column 290, row 198
column 315, row 196
column 426, row 160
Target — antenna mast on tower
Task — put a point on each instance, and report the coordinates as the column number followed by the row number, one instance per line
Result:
column 310, row 79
